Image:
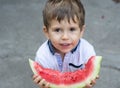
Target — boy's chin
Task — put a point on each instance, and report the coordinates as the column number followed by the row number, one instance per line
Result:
column 65, row 51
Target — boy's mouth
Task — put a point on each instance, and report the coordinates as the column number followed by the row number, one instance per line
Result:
column 65, row 45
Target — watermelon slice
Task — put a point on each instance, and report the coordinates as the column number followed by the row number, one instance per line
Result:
column 76, row 79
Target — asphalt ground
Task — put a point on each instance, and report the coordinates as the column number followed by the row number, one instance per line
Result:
column 21, row 35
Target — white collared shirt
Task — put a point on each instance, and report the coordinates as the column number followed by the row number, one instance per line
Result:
column 79, row 57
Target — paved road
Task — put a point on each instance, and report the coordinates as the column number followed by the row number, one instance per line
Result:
column 21, row 34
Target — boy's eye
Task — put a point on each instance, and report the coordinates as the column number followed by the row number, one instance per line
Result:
column 57, row 30
column 72, row 29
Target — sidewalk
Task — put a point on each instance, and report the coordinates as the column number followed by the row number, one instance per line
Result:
column 21, row 35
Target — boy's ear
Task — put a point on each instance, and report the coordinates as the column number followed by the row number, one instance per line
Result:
column 45, row 30
column 83, row 29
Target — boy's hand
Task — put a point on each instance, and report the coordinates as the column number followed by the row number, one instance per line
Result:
column 40, row 82
column 93, row 82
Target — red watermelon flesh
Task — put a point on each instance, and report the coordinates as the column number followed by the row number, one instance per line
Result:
column 76, row 79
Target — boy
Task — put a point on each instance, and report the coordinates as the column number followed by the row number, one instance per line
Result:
column 65, row 49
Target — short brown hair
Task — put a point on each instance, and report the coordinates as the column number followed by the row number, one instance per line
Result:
column 59, row 9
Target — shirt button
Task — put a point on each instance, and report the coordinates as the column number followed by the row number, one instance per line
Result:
column 60, row 64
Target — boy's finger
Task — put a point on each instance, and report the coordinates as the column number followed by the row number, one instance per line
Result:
column 88, row 86
column 37, row 79
column 93, row 82
column 97, row 77
column 47, row 85
column 34, row 77
column 42, row 83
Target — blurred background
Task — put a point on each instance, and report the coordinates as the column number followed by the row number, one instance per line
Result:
column 21, row 35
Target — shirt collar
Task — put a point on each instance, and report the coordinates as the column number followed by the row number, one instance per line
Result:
column 74, row 49
column 51, row 47
column 52, row 50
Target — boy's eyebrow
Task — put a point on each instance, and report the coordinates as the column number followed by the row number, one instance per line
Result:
column 55, row 26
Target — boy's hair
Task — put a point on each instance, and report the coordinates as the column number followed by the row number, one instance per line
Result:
column 60, row 9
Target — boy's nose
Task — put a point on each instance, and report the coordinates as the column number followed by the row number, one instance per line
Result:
column 65, row 36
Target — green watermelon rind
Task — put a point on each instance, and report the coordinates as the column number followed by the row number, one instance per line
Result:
column 31, row 62
column 97, row 65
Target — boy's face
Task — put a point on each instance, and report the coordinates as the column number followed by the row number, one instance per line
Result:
column 64, row 35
